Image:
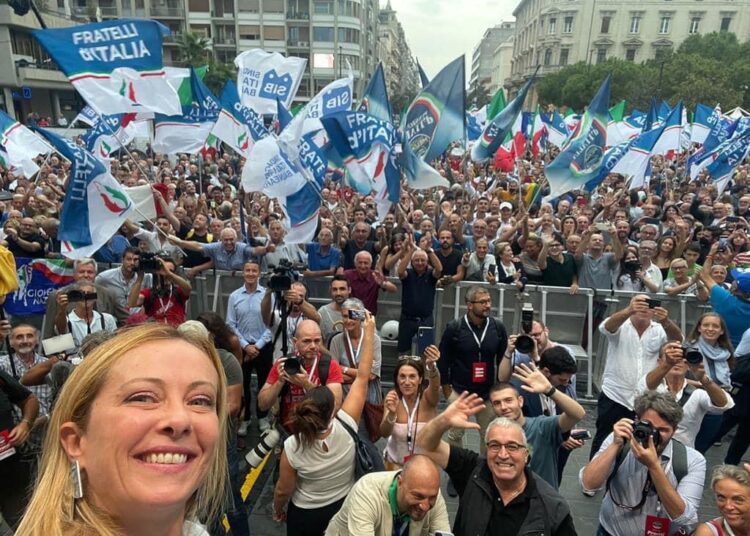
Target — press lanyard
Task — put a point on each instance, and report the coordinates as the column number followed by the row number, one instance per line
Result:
column 166, row 306
column 478, row 340
column 355, row 357
column 410, row 423
column 727, row 528
column 312, row 370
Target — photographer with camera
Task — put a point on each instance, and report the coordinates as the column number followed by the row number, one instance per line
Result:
column 165, row 300
column 297, row 309
column 417, row 290
column 83, row 319
column 120, row 281
column 654, row 483
column 291, row 378
column 635, row 336
column 669, row 376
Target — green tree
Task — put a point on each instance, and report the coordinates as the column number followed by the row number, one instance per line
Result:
column 218, row 74
column 194, row 49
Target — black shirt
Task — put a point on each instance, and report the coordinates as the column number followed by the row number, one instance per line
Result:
column 351, row 249
column 418, row 293
column 458, row 350
column 195, row 258
column 11, row 393
column 450, row 263
column 19, row 251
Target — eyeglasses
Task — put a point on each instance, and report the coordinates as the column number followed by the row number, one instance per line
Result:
column 555, row 245
column 482, row 302
column 409, row 358
column 510, row 448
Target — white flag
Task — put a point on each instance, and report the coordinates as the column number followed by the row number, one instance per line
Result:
column 263, row 77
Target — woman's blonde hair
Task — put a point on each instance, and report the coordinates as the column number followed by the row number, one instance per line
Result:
column 52, row 511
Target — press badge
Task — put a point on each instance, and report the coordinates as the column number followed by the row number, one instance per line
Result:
column 479, row 372
column 657, row 526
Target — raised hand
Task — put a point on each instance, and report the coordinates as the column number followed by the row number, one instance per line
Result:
column 533, row 378
column 460, row 411
column 390, row 402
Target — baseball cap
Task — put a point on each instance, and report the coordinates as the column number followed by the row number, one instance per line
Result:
column 507, row 205
column 742, row 277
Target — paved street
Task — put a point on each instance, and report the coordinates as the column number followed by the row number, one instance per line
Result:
column 585, row 509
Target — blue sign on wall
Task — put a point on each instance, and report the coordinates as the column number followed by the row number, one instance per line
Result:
column 26, row 92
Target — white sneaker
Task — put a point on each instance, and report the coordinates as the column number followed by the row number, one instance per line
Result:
column 242, row 429
column 263, row 424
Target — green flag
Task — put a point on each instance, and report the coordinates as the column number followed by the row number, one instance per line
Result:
column 185, row 93
column 496, row 105
column 617, row 112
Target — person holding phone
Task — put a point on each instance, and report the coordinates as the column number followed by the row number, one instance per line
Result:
column 417, row 290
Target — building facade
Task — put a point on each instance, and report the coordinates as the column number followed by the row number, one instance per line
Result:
column 556, row 33
column 502, row 57
column 483, row 55
column 399, row 66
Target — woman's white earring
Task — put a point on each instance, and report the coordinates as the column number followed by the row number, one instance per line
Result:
column 75, row 478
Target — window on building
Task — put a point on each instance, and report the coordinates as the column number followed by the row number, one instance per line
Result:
column 568, row 25
column 250, row 32
column 694, row 25
column 630, row 54
column 601, row 55
column 199, row 5
column 635, row 24
column 274, row 33
column 323, row 7
column 348, row 35
column 548, row 57
column 564, row 56
column 552, row 26
column 248, row 6
column 323, row 33
column 725, row 21
column 605, row 24
column 273, row 6
column 664, row 24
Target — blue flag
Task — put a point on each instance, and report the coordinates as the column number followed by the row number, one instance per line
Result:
column 238, row 126
column 87, row 115
column 115, row 65
column 436, row 117
column 282, row 114
column 581, row 159
column 611, row 157
column 422, row 76
column 495, row 132
column 473, row 128
column 108, row 134
column 375, row 101
column 722, row 130
column 653, row 116
column 367, row 146
column 729, row 155
column 664, row 110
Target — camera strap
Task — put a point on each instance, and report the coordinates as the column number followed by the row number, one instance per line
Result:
column 478, row 340
column 350, row 354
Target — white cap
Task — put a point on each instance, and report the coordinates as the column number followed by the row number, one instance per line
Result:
column 507, row 205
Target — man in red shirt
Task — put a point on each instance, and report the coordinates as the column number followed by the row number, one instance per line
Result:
column 290, row 389
column 366, row 283
column 166, row 301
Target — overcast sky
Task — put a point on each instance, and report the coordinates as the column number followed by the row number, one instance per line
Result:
column 438, row 31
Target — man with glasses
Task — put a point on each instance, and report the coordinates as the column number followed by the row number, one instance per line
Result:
column 558, row 267
column 499, row 494
column 639, row 471
column 226, row 254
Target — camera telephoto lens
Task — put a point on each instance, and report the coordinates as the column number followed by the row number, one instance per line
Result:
column 524, row 344
column 292, row 366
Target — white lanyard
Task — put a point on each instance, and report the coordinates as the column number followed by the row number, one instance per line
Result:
column 478, row 340
column 355, row 357
column 168, row 305
column 727, row 528
column 312, row 370
column 410, row 423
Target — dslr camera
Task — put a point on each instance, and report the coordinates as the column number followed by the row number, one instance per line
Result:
column 292, row 365
column 149, row 263
column 692, row 355
column 642, row 430
column 632, row 266
column 524, row 342
column 284, row 275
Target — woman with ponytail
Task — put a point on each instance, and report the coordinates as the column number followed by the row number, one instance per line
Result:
column 317, row 464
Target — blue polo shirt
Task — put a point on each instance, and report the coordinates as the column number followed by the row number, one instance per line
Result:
column 316, row 261
column 734, row 311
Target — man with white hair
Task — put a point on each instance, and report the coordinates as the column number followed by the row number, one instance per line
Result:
column 418, row 290
column 367, row 283
column 227, row 254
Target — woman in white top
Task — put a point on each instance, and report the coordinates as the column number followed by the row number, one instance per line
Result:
column 410, row 405
column 317, row 464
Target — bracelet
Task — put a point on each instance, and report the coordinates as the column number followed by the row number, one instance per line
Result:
column 508, row 356
column 391, row 421
column 552, row 391
column 27, row 421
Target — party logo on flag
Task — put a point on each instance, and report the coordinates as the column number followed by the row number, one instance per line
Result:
column 37, row 278
column 275, row 86
column 421, row 129
column 589, row 156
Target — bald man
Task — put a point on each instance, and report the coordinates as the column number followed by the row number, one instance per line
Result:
column 417, row 289
column 315, row 369
column 418, row 507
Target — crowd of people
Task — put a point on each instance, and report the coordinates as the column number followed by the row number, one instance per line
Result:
column 135, row 429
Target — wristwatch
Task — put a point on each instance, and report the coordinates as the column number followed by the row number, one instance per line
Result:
column 552, row 391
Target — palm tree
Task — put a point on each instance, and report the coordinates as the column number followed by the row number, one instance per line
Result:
column 194, row 49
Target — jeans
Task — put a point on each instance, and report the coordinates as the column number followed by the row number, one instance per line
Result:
column 262, row 366
column 710, row 426
column 741, row 440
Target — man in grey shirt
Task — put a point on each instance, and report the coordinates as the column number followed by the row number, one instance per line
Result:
column 330, row 313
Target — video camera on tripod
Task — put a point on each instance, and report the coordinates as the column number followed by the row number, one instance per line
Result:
column 284, row 274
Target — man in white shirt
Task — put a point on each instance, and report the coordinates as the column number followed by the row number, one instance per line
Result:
column 653, row 278
column 635, row 335
column 84, row 319
column 669, row 377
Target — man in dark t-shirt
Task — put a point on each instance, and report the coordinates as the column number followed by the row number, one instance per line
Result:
column 26, row 242
column 450, row 259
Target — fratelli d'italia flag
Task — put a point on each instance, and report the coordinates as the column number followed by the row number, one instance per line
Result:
column 582, row 157
column 238, row 126
column 95, row 205
column 115, row 65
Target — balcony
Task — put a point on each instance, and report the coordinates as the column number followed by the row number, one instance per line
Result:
column 298, row 16
column 225, row 41
column 87, row 12
column 172, row 39
column 297, row 43
column 167, row 11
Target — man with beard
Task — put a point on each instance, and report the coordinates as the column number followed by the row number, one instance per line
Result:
column 450, row 259
column 120, row 281
column 394, row 502
column 499, row 493
column 330, row 313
